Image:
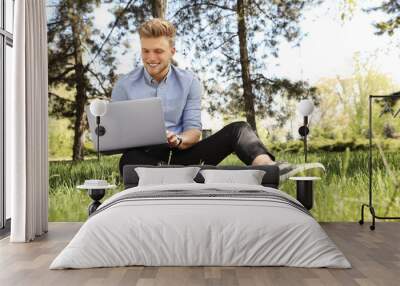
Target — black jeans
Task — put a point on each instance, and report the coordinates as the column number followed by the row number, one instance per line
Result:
column 237, row 137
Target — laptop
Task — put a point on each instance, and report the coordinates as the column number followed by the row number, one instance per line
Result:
column 128, row 124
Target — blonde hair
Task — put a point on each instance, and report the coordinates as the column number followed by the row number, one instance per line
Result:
column 157, row 27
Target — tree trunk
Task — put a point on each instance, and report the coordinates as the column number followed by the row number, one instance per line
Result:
column 80, row 98
column 245, row 65
column 159, row 8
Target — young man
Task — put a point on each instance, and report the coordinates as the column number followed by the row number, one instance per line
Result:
column 180, row 92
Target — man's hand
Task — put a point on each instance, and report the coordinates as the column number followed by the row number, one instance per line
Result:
column 172, row 139
column 189, row 138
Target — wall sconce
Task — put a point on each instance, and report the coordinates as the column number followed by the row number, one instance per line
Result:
column 305, row 108
column 98, row 108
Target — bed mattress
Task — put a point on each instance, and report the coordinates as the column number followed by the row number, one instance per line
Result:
column 201, row 225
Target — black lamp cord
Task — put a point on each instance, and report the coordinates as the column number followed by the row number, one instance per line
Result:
column 98, row 137
column 305, row 139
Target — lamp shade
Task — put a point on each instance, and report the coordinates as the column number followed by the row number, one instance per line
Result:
column 98, row 107
column 305, row 107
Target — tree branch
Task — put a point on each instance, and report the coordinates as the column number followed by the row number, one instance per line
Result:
column 109, row 33
column 259, row 76
column 262, row 10
column 60, row 97
column 98, row 80
column 229, row 57
column 223, row 43
column 60, row 76
column 190, row 6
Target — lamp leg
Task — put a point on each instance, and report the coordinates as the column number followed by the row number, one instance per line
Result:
column 305, row 149
column 98, row 143
column 305, row 121
column 303, row 131
column 98, row 137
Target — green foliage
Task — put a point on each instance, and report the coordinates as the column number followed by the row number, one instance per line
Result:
column 345, row 185
column 337, row 196
column 70, row 174
column 332, row 145
column 66, row 203
column 346, row 100
column 222, row 52
column 70, row 204
column 60, row 139
column 347, row 8
column 81, row 61
column 392, row 21
column 71, row 33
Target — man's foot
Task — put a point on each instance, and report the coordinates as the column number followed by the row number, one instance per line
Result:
column 262, row 159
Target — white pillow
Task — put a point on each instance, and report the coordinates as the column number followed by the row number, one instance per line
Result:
column 163, row 176
column 249, row 177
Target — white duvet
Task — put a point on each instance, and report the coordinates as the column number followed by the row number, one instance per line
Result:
column 185, row 231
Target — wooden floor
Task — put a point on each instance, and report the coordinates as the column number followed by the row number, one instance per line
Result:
column 374, row 255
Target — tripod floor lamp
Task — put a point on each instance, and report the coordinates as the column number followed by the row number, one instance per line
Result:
column 98, row 108
column 305, row 108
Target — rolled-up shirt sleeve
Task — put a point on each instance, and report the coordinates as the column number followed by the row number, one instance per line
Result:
column 191, row 117
column 118, row 93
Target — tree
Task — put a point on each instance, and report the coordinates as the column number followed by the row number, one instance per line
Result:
column 158, row 8
column 232, row 39
column 392, row 9
column 133, row 13
column 136, row 13
column 81, row 60
column 343, row 109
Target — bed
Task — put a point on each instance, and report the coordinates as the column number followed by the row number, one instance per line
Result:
column 201, row 224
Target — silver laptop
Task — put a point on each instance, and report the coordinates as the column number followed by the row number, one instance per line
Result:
column 130, row 123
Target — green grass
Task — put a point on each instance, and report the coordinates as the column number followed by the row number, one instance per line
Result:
column 337, row 197
column 66, row 203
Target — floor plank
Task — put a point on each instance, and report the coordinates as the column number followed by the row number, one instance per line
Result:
column 374, row 255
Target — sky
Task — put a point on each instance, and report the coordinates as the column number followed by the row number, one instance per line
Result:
column 330, row 45
column 326, row 51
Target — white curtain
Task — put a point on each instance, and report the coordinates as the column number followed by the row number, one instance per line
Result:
column 26, row 124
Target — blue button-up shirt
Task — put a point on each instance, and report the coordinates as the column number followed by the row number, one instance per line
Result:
column 180, row 94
